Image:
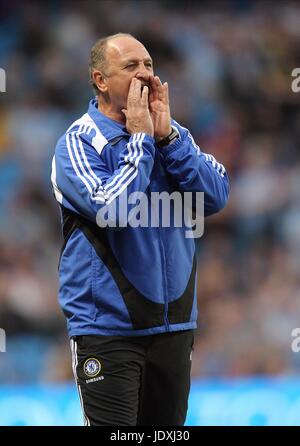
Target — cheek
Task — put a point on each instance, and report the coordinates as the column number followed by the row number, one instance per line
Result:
column 119, row 90
column 126, row 87
column 123, row 87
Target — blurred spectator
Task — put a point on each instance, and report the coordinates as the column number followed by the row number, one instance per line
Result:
column 229, row 67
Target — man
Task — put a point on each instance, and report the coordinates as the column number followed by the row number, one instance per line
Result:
column 129, row 292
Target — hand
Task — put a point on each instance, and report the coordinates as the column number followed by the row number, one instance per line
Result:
column 159, row 108
column 137, row 114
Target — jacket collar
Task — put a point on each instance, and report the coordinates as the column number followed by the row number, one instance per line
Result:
column 108, row 127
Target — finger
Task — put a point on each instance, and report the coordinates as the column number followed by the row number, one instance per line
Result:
column 159, row 87
column 154, row 90
column 152, row 82
column 136, row 94
column 151, row 96
column 158, row 81
column 132, row 85
column 145, row 94
column 151, row 78
column 165, row 97
column 131, row 92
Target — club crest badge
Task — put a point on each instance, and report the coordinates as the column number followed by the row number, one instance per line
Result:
column 92, row 367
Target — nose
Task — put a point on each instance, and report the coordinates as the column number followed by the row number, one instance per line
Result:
column 142, row 76
column 142, row 73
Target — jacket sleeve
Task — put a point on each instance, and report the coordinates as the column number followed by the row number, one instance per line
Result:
column 195, row 171
column 83, row 183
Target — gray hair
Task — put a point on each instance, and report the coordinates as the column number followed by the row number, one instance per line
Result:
column 98, row 56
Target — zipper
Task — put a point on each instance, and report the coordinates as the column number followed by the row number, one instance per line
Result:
column 154, row 188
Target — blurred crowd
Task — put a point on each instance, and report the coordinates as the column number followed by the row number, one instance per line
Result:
column 229, row 67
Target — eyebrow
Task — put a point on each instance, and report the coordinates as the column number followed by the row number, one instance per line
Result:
column 129, row 61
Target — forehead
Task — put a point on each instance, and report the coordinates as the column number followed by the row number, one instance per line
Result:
column 125, row 48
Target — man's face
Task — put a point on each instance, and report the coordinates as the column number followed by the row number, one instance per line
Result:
column 126, row 58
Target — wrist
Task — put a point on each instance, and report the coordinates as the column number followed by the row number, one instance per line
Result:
column 169, row 139
column 160, row 138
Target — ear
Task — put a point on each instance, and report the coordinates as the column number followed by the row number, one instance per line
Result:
column 99, row 80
